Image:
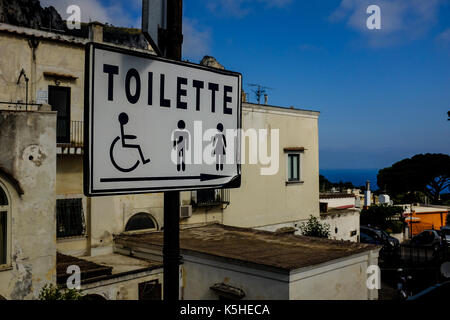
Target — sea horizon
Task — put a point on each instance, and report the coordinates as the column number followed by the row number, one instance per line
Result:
column 357, row 177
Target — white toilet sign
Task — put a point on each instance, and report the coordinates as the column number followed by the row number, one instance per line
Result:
column 153, row 124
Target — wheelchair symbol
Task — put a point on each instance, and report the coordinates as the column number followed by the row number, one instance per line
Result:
column 123, row 120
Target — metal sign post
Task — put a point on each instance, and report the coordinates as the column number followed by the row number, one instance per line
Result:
column 171, row 246
column 154, row 23
column 150, row 125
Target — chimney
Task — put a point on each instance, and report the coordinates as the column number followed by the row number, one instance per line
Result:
column 266, row 99
column 244, row 96
column 96, row 31
column 367, row 195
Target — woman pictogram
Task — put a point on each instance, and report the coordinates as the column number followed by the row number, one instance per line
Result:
column 220, row 145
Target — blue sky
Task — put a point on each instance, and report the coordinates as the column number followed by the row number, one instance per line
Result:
column 383, row 94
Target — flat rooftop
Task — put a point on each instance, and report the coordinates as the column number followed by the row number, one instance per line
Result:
column 337, row 195
column 102, row 267
column 123, row 264
column 272, row 108
column 244, row 245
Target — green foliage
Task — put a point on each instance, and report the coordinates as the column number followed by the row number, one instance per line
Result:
column 426, row 173
column 395, row 226
column 326, row 185
column 313, row 228
column 52, row 292
column 410, row 197
column 383, row 216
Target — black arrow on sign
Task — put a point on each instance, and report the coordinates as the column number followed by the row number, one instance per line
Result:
column 201, row 177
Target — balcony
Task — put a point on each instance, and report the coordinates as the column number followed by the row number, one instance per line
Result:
column 210, row 197
column 70, row 142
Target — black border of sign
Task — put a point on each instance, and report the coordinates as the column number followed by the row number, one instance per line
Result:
column 235, row 182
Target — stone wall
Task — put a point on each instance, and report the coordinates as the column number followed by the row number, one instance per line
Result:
column 28, row 174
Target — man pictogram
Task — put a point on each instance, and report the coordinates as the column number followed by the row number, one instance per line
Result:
column 180, row 138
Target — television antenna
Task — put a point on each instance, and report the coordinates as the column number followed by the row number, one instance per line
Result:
column 259, row 91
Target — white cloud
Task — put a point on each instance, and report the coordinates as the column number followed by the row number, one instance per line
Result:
column 241, row 8
column 196, row 40
column 94, row 10
column 401, row 20
column 444, row 37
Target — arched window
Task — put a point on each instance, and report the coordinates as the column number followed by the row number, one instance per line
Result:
column 140, row 221
column 4, row 216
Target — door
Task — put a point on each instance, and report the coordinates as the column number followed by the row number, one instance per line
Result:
column 59, row 99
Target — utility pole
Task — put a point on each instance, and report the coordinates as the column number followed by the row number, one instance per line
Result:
column 172, row 40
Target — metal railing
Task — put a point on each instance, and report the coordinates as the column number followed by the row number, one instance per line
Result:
column 210, row 197
column 76, row 133
column 76, row 138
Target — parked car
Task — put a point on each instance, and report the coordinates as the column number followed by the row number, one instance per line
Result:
column 427, row 239
column 379, row 237
column 445, row 233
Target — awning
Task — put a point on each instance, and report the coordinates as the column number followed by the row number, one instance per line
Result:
column 412, row 219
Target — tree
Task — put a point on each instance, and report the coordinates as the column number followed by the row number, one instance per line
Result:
column 313, row 228
column 382, row 216
column 428, row 173
column 326, row 185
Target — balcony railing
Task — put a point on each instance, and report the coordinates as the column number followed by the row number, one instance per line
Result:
column 76, row 137
column 76, row 133
column 210, row 197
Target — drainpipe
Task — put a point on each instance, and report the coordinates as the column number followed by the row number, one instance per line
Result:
column 22, row 73
column 33, row 44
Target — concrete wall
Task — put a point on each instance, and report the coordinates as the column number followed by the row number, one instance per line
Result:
column 28, row 156
column 339, row 202
column 200, row 273
column 49, row 56
column 344, row 279
column 124, row 287
column 344, row 222
column 110, row 215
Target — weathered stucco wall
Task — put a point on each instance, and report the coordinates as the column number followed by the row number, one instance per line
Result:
column 123, row 288
column 199, row 274
column 111, row 214
column 28, row 154
column 342, row 225
column 344, row 279
column 49, row 56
